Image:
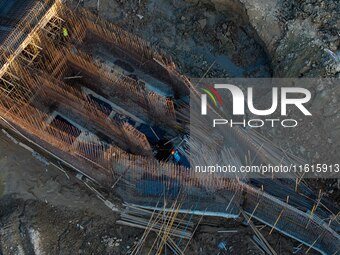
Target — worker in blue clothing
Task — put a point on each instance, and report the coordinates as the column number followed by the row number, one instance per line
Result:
column 176, row 155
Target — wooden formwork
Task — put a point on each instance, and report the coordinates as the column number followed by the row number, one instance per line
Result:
column 28, row 79
column 161, row 107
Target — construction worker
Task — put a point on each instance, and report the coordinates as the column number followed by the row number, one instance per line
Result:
column 176, row 155
column 65, row 32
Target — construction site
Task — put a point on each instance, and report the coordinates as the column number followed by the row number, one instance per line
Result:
column 103, row 105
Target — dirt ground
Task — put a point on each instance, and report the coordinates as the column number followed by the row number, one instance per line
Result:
column 42, row 211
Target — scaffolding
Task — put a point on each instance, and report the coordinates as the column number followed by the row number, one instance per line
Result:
column 42, row 77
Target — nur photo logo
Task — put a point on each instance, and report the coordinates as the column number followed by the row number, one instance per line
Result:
column 283, row 97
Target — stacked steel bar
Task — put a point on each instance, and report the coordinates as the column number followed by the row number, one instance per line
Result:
column 24, row 98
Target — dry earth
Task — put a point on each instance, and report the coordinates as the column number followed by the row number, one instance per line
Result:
column 44, row 212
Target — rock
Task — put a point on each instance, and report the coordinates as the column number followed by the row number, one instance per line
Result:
column 203, row 23
column 333, row 46
column 320, row 87
column 302, row 149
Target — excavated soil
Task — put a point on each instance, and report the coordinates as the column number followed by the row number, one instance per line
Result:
column 42, row 211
